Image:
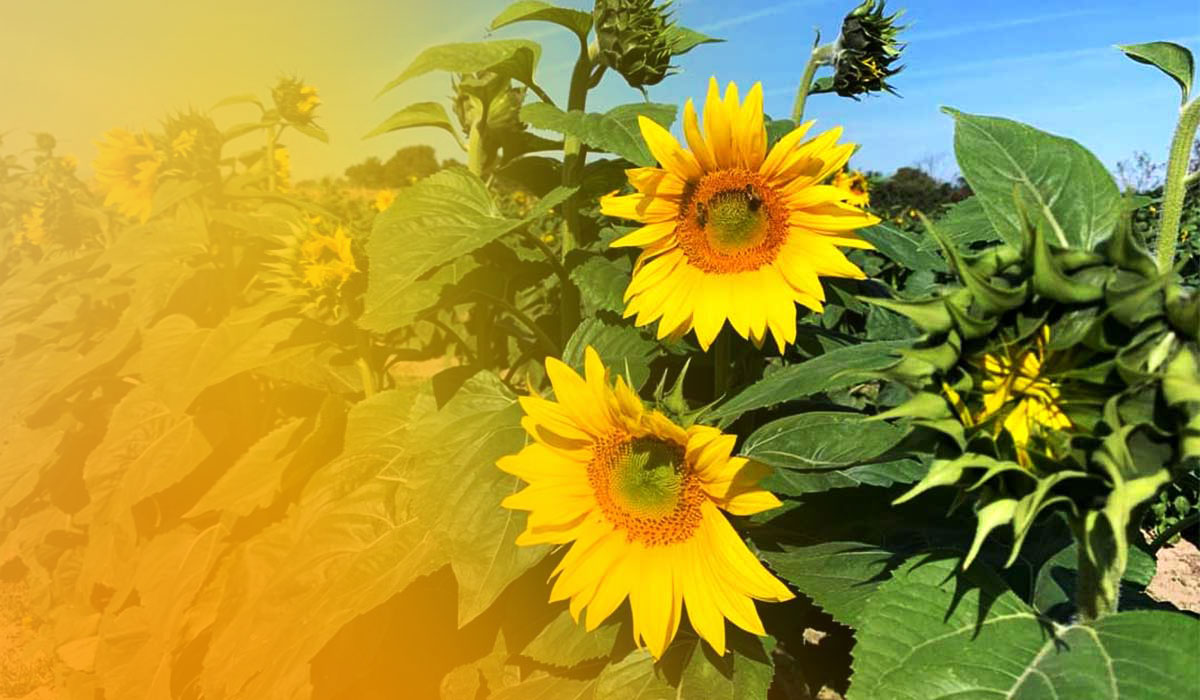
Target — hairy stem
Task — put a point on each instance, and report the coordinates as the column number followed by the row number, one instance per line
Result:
column 820, row 56
column 1176, row 186
column 574, row 154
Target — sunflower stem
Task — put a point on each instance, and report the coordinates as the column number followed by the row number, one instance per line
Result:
column 1101, row 565
column 574, row 154
column 820, row 56
column 272, row 138
column 1176, row 184
column 475, row 150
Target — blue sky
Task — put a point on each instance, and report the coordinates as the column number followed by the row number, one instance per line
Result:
column 82, row 68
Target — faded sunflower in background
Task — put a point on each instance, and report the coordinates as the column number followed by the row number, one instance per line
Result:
column 384, row 199
column 732, row 231
column 126, row 171
column 640, row 499
column 855, row 184
column 283, row 169
column 314, row 264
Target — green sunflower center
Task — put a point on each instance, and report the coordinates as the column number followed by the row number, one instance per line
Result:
column 735, row 219
column 645, row 487
column 647, row 478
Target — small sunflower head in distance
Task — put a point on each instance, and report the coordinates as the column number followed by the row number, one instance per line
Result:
column 734, row 232
column 639, row 499
column 854, row 183
column 127, row 171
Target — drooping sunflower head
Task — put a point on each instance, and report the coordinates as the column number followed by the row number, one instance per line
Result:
column 490, row 99
column 33, row 226
column 127, row 171
column 854, row 183
column 639, row 499
column 733, row 231
column 295, row 100
column 1058, row 376
column 634, row 39
column 865, row 51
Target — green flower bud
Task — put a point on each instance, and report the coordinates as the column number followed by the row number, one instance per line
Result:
column 865, row 50
column 488, row 99
column 634, row 39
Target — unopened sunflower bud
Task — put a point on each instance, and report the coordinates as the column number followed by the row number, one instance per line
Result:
column 488, row 99
column 634, row 39
column 865, row 50
column 295, row 101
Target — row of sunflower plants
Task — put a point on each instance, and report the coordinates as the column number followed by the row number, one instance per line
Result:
column 685, row 384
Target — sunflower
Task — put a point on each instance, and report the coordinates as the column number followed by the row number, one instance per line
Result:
column 640, row 499
column 1025, row 402
column 384, row 199
column 126, row 169
column 733, row 232
column 327, row 260
column 855, row 183
column 33, row 226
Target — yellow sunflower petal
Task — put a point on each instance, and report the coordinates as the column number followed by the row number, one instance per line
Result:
column 667, row 150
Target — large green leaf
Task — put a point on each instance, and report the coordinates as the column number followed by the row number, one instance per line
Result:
column 821, row 440
column 255, row 478
column 1053, row 178
column 903, row 247
column 512, row 58
column 1054, row 586
column 836, row 369
column 181, row 360
column 932, row 633
column 624, row 349
column 690, row 669
column 615, row 131
column 536, row 11
column 565, row 643
column 440, row 219
column 838, row 576
column 601, row 282
column 1171, row 58
column 419, row 114
column 964, row 223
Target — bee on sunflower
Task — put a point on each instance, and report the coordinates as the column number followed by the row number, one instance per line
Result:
column 639, row 499
column 733, row 231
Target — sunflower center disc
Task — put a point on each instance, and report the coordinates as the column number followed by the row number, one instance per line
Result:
column 731, row 221
column 735, row 220
column 644, row 486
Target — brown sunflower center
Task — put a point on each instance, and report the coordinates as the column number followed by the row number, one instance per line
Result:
column 645, row 487
column 731, row 221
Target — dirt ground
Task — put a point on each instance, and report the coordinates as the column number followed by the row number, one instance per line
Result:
column 1178, row 577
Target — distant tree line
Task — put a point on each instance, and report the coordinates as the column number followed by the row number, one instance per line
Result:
column 406, row 165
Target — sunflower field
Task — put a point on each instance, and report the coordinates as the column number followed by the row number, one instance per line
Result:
column 649, row 402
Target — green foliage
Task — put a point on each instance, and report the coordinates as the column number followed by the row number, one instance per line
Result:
column 1170, row 58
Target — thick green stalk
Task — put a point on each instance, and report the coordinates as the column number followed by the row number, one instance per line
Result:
column 1101, row 565
column 574, row 155
column 272, row 137
column 1176, row 187
column 475, row 150
column 820, row 56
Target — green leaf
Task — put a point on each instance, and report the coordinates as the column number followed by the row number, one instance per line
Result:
column 181, row 360
column 441, row 218
column 602, row 283
column 512, row 58
column 839, row 576
column 821, row 440
column 683, row 39
column 534, row 10
column 255, row 478
column 624, row 349
column 934, row 633
column 904, row 247
column 419, row 114
column 615, row 131
column 1054, row 179
column 690, row 669
column 566, row 643
column 963, row 224
column 836, row 369
column 1170, row 58
column 312, row 131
